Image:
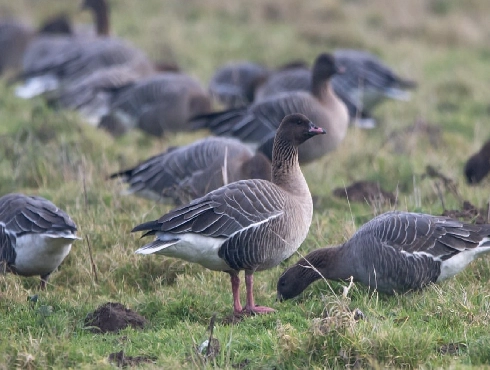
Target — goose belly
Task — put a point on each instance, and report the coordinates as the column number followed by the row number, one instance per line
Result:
column 196, row 249
column 454, row 265
column 40, row 254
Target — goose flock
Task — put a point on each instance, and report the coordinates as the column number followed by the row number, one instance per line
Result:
column 242, row 202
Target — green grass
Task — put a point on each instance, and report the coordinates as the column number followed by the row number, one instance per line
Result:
column 442, row 44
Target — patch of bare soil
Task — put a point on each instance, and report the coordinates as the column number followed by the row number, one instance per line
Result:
column 121, row 360
column 452, row 349
column 362, row 191
column 469, row 213
column 112, row 317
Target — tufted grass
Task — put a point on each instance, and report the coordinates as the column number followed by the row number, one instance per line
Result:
column 442, row 44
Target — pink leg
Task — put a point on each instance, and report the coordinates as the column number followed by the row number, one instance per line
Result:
column 235, row 289
column 250, row 306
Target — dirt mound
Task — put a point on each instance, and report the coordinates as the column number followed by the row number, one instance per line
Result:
column 124, row 361
column 469, row 213
column 362, row 191
column 112, row 317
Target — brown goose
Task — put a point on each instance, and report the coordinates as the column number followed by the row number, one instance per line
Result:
column 51, row 64
column 191, row 171
column 394, row 252
column 158, row 104
column 257, row 123
column 35, row 235
column 478, row 165
column 249, row 225
column 365, row 83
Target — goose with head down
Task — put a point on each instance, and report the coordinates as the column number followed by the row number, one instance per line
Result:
column 394, row 252
column 249, row 225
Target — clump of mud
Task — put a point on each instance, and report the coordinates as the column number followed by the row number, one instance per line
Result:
column 121, row 360
column 112, row 317
column 469, row 213
column 365, row 191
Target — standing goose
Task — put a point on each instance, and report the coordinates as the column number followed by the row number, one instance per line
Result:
column 51, row 64
column 35, row 235
column 249, row 225
column 394, row 252
column 191, row 171
column 257, row 123
column 158, row 104
column 365, row 83
column 478, row 165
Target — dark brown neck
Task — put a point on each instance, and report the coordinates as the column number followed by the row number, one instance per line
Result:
column 319, row 85
column 285, row 166
column 101, row 18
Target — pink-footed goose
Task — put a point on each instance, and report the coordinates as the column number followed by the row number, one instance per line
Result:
column 257, row 123
column 249, row 225
column 365, row 83
column 35, row 235
column 184, row 173
column 49, row 65
column 157, row 105
column 394, row 252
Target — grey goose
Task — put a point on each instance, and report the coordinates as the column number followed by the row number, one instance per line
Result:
column 258, row 122
column 233, row 85
column 15, row 36
column 477, row 166
column 35, row 235
column 191, row 171
column 365, row 83
column 394, row 252
column 157, row 105
column 249, row 225
column 51, row 64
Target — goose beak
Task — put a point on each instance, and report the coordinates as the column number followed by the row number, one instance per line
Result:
column 315, row 130
column 279, row 297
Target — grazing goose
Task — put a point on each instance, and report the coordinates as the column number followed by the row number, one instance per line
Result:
column 16, row 36
column 158, row 104
column 478, row 165
column 394, row 252
column 233, row 85
column 257, row 123
column 35, row 235
column 249, row 225
column 366, row 81
column 191, row 171
column 51, row 64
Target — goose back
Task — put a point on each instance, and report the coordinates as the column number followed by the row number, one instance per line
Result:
column 188, row 172
column 161, row 103
column 394, row 252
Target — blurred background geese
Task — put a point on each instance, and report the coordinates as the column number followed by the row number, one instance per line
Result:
column 50, row 65
column 394, row 252
column 249, row 225
column 157, row 105
column 35, row 235
column 364, row 83
column 188, row 172
column 257, row 123
column 15, row 36
column 233, row 85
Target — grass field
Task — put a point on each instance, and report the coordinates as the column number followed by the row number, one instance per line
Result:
column 443, row 44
